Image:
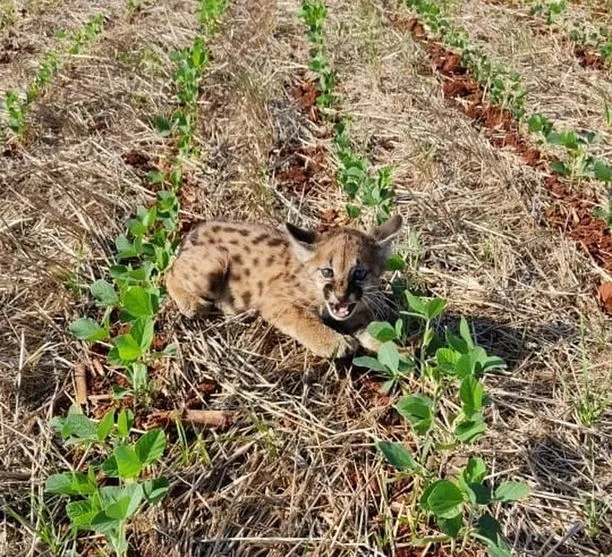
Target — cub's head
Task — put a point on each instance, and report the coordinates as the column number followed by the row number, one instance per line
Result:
column 345, row 263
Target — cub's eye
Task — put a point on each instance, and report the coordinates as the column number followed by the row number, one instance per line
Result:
column 360, row 274
column 327, row 272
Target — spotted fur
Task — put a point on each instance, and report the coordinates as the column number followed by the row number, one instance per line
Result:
column 320, row 288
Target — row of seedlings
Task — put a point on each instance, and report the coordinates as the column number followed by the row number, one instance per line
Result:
column 15, row 105
column 113, row 482
column 505, row 90
column 439, row 387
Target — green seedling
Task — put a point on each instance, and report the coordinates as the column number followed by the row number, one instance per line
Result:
column 48, row 67
column 94, row 502
column 389, row 361
column 549, row 10
column 189, row 64
column 15, row 108
column 209, row 12
column 143, row 253
column 579, row 164
column 455, row 365
column 78, row 39
column 460, row 507
column 362, row 187
column 314, row 14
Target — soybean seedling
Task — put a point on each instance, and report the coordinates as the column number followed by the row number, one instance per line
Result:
column 94, row 502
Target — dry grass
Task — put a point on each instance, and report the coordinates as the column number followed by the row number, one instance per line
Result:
column 558, row 85
column 296, row 473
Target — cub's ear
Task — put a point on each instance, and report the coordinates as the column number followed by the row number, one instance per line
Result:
column 387, row 233
column 302, row 241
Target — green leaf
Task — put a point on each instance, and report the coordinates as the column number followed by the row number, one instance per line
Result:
column 86, row 328
column 416, row 304
column 382, row 331
column 464, row 331
column 426, row 493
column 125, row 248
column 155, row 177
column 469, row 430
column 397, row 455
column 511, row 491
column 435, row 307
column 389, row 356
column 138, row 302
column 163, row 125
column 127, row 348
column 481, row 493
column 155, row 490
column 456, row 343
column 143, row 330
column 450, row 526
column 353, row 211
column 387, row 386
column 559, row 168
column 370, row 363
column 447, row 359
column 126, row 506
column 418, row 410
column 471, row 394
column 124, row 422
column 105, row 425
column 70, row 483
column 110, row 468
column 81, row 513
column 492, row 362
column 399, row 327
column 128, row 463
column 489, row 532
column 119, row 509
column 136, row 227
column 471, row 363
column 602, row 171
column 489, row 527
column 395, row 263
column 150, row 446
column 104, row 292
column 80, row 426
column 475, row 470
column 445, row 500
column 105, row 524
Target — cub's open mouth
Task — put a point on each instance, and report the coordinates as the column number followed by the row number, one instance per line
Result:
column 342, row 310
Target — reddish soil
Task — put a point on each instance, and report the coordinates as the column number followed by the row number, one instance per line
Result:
column 570, row 213
column 298, row 168
column 305, row 95
column 589, row 58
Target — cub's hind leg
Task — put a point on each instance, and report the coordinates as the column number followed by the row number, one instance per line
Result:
column 198, row 279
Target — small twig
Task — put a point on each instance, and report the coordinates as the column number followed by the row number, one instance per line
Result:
column 97, row 367
column 214, row 418
column 80, row 384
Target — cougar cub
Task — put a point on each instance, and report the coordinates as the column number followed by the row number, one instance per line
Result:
column 319, row 288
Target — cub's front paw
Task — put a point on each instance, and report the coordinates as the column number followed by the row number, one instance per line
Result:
column 345, row 345
column 367, row 341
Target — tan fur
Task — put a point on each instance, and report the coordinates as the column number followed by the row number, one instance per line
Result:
column 279, row 273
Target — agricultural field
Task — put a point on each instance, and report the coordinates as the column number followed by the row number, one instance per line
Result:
column 482, row 426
